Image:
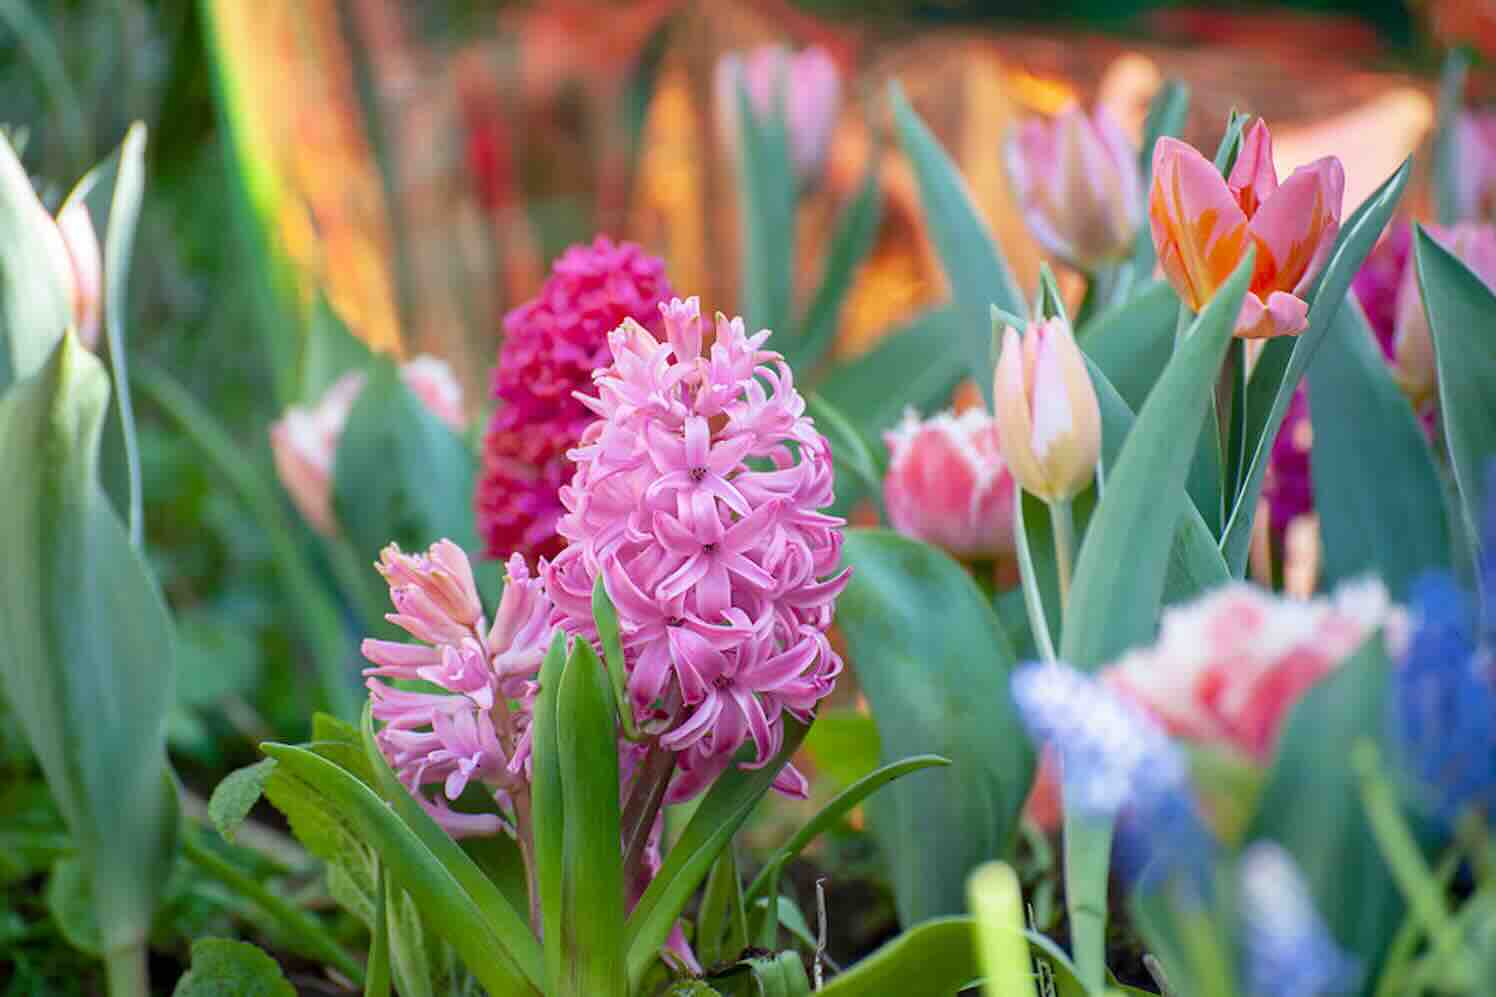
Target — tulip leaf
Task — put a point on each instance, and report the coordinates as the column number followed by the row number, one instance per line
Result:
column 1284, row 360
column 850, row 450
column 1376, row 487
column 331, row 350
column 973, row 262
column 856, row 231
column 920, row 357
column 766, row 200
column 1124, row 559
column 35, row 294
column 934, row 663
column 1167, row 114
column 87, row 668
column 935, row 959
column 1462, row 316
column 1132, row 342
column 1447, row 135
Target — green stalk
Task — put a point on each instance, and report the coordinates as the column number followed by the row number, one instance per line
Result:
column 1033, row 599
column 378, row 983
column 127, row 973
column 1088, row 855
column 1063, row 521
column 297, row 922
column 995, row 898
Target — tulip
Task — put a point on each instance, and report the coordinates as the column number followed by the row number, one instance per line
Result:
column 809, row 84
column 1203, row 223
column 1048, row 421
column 86, row 268
column 1475, row 166
column 947, row 484
column 1076, row 178
column 1412, row 343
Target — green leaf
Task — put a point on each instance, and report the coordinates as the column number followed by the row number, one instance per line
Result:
column 1284, row 360
column 605, row 619
column 401, row 473
column 973, row 263
column 1167, row 113
column 1124, row 559
column 934, row 664
column 850, row 450
column 843, row 745
column 35, row 293
column 547, row 807
column 766, row 211
column 216, row 658
column 1132, row 342
column 934, row 959
column 331, row 350
column 378, row 982
column 222, row 967
column 781, row 975
column 1377, row 490
column 87, row 668
column 70, row 902
column 856, row 231
column 1462, row 314
column 592, row 894
column 1230, row 147
column 721, row 920
column 1446, row 136
column 717, row 818
column 236, row 796
column 922, row 358
column 1311, row 804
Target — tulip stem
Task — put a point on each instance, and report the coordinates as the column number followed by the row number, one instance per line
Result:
column 1033, row 599
column 1063, row 521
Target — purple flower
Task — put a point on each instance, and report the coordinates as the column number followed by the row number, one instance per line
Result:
column 1287, row 950
column 697, row 497
column 475, row 730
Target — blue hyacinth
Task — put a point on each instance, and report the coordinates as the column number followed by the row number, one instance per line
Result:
column 1287, row 951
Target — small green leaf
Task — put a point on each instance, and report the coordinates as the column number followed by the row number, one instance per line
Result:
column 236, row 796
column 70, row 902
column 222, row 967
column 855, row 233
column 766, row 199
column 781, row 975
column 935, row 959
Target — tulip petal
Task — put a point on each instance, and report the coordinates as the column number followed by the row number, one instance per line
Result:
column 1199, row 230
column 1296, row 227
column 1282, row 315
column 1011, row 404
column 1253, row 179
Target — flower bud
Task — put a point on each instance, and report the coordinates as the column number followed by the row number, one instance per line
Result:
column 1077, row 180
column 947, row 484
column 1412, row 343
column 86, row 267
column 1048, row 421
column 811, row 87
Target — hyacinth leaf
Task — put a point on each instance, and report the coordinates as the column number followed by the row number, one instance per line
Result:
column 1131, row 342
column 592, row 887
column 1462, row 314
column 331, row 350
column 91, row 699
column 1167, row 113
column 377, row 981
column 35, row 301
column 505, row 959
column 1312, row 806
column 920, row 357
column 401, row 473
column 833, row 812
column 974, row 265
column 223, row 967
column 1124, row 559
column 766, row 200
column 997, row 905
column 720, row 813
column 1446, row 138
column 934, row 959
column 1376, row 486
column 855, row 233
column 547, row 805
column 605, row 619
column 934, row 663
column 850, row 450
column 722, row 919
column 1284, row 360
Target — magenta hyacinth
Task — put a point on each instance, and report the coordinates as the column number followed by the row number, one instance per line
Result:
column 551, row 346
column 697, row 496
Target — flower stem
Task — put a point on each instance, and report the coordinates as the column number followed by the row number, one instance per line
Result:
column 127, row 973
column 1033, row 599
column 1063, row 521
column 1088, row 856
column 644, row 804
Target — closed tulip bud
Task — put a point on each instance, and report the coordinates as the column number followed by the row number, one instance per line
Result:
column 810, row 85
column 1077, row 181
column 86, row 267
column 1048, row 421
column 1412, row 343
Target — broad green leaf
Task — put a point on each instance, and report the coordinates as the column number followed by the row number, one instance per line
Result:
column 592, row 893
column 1124, row 559
column 1311, row 804
column 1462, row 315
column 548, row 808
column 935, row 959
column 35, row 292
column 222, row 967
column 330, row 351
column 766, row 211
column 973, row 262
column 236, row 796
column 922, row 358
column 934, row 664
column 1131, row 342
column 430, row 875
column 1377, row 490
column 856, row 231
column 843, row 745
column 1284, row 360
column 70, row 902
column 717, row 818
column 87, row 668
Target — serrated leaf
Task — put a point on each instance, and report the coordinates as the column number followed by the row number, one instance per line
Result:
column 222, row 967
column 236, row 796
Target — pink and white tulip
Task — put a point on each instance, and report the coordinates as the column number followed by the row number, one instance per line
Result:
column 1077, row 181
column 810, row 85
column 1412, row 342
column 947, row 484
column 1202, row 224
column 1048, row 420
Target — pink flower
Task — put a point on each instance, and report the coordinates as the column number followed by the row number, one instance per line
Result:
column 1202, row 222
column 1289, row 485
column 552, row 344
column 1475, row 168
column 1048, row 419
column 809, row 85
column 1077, row 181
column 696, row 498
column 475, row 730
column 1412, row 342
column 947, row 484
column 304, row 441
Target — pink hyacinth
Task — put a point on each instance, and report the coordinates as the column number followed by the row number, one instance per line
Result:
column 552, row 344
column 476, row 729
column 696, row 496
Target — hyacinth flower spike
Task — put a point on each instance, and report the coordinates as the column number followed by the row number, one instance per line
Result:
column 1287, row 950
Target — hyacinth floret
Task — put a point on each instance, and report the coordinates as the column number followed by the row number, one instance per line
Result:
column 1287, row 950
column 697, row 498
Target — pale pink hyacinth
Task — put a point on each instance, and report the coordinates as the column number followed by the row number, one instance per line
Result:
column 697, row 497
column 1412, row 342
column 1077, row 182
column 1203, row 223
column 476, row 729
column 947, row 484
column 304, row 441
column 810, row 85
